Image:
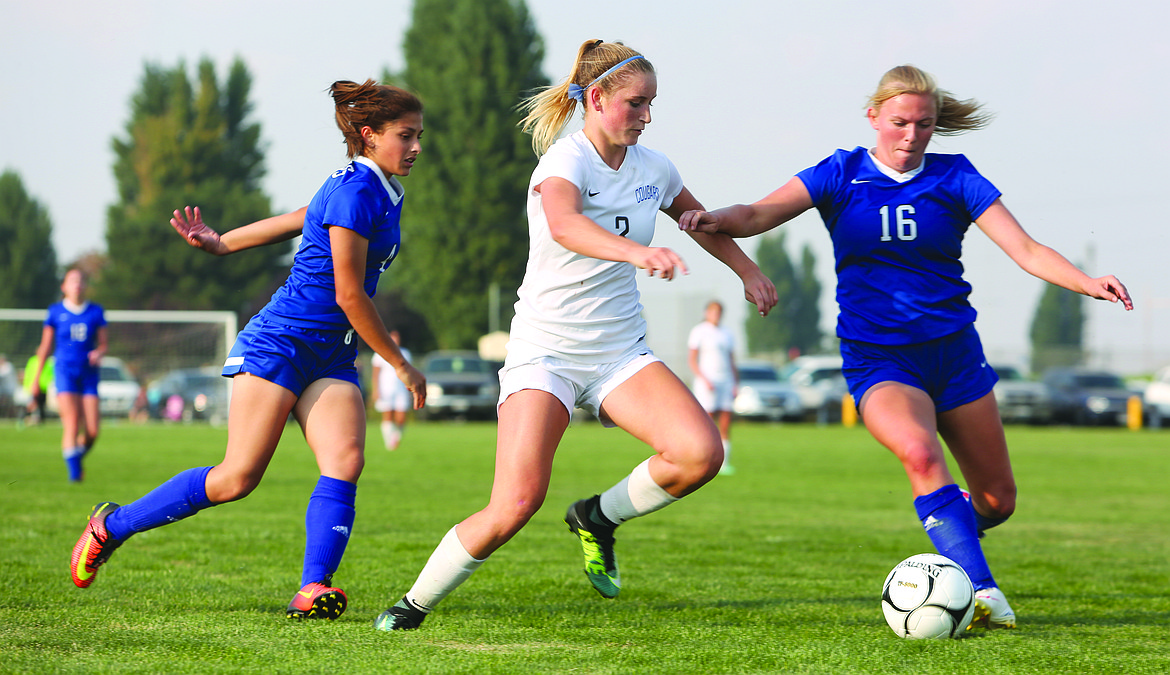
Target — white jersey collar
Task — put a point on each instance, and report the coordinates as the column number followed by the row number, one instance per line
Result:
column 898, row 176
column 393, row 187
column 76, row 309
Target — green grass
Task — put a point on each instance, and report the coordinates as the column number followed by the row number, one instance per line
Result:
column 776, row 569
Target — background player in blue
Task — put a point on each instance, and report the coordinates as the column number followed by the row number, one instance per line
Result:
column 297, row 354
column 897, row 217
column 78, row 329
column 578, row 334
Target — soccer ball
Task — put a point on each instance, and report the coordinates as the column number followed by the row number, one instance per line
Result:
column 928, row 596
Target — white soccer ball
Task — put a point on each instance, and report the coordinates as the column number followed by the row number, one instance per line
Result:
column 928, row 596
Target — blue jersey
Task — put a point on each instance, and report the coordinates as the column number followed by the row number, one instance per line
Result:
column 357, row 197
column 897, row 245
column 75, row 333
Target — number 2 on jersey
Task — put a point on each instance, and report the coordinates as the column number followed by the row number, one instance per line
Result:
column 907, row 228
column 622, row 225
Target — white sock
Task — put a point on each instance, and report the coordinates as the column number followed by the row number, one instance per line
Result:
column 448, row 566
column 726, row 452
column 636, row 495
column 389, row 432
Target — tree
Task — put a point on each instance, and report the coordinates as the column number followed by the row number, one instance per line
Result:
column 794, row 324
column 464, row 227
column 187, row 145
column 28, row 261
column 1057, row 329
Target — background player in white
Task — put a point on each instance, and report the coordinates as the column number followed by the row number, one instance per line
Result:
column 297, row 355
column 578, row 334
column 897, row 217
column 391, row 397
column 711, row 356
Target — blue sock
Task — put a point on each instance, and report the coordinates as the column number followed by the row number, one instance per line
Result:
column 950, row 522
column 185, row 494
column 328, row 522
column 73, row 462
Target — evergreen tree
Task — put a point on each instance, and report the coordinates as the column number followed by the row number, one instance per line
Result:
column 464, row 224
column 187, row 145
column 1057, row 329
column 28, row 261
column 794, row 324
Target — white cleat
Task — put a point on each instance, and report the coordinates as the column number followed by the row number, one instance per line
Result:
column 992, row 610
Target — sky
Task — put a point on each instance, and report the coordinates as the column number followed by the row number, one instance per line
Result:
column 749, row 94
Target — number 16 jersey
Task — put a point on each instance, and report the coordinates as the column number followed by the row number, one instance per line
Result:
column 897, row 244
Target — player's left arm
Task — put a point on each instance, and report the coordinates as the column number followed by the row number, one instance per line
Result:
column 1043, row 262
column 757, row 287
column 349, row 268
column 102, row 346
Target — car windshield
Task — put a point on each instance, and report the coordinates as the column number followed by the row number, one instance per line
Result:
column 112, row 374
column 1099, row 381
column 457, row 365
column 758, row 374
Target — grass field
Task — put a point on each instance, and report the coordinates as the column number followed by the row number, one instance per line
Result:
column 775, row 569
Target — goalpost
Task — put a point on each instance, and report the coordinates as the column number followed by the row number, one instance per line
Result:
column 151, row 343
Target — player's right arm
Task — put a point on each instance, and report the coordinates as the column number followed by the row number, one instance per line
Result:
column 747, row 220
column 189, row 223
column 571, row 228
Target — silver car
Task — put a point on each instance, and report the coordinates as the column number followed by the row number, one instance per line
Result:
column 1020, row 399
column 762, row 395
column 461, row 384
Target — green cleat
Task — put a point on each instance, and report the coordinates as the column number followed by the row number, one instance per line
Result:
column 402, row 616
column 597, row 543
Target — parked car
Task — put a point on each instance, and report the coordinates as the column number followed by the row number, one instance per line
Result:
column 1157, row 397
column 461, row 384
column 1020, row 399
column 819, row 383
column 117, row 389
column 762, row 395
column 1083, row 396
column 189, row 394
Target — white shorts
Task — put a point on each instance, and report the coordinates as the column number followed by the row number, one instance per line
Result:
column 721, row 397
column 398, row 399
column 575, row 384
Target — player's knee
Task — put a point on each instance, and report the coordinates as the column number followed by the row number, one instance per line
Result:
column 696, row 458
column 921, row 458
column 509, row 517
column 1001, row 504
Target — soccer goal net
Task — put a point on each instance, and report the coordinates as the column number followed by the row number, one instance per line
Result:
column 149, row 343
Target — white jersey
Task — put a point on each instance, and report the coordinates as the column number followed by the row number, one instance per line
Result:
column 573, row 306
column 715, row 348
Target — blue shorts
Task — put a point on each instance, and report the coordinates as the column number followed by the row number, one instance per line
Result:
column 951, row 370
column 81, row 379
column 292, row 357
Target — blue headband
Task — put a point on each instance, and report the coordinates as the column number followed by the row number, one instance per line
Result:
column 578, row 92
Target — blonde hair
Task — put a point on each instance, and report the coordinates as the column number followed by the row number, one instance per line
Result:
column 368, row 105
column 547, row 111
column 952, row 116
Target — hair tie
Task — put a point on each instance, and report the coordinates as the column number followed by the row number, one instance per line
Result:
column 577, row 92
